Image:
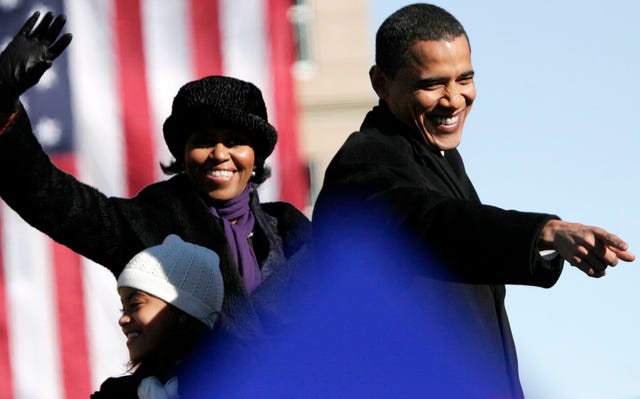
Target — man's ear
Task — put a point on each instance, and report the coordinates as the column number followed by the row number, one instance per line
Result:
column 378, row 81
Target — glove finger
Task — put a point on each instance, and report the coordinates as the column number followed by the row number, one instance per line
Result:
column 40, row 32
column 28, row 25
column 58, row 47
column 55, row 28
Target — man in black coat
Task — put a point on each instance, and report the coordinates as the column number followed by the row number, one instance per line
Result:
column 452, row 253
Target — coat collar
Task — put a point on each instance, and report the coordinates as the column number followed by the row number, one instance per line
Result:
column 448, row 165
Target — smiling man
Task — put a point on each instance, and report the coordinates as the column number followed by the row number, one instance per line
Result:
column 403, row 165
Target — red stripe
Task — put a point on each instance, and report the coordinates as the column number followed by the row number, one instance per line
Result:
column 294, row 180
column 72, row 325
column 205, row 37
column 141, row 164
column 6, row 387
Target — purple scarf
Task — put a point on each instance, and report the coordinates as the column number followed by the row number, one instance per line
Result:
column 238, row 234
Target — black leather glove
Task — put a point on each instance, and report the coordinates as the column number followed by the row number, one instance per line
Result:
column 28, row 56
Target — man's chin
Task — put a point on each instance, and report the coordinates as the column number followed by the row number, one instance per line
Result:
column 443, row 145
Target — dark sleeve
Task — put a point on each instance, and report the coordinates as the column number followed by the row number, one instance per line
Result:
column 70, row 212
column 374, row 179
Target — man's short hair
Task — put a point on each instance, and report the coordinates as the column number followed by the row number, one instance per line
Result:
column 407, row 25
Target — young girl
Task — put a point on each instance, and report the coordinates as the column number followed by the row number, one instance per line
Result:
column 171, row 298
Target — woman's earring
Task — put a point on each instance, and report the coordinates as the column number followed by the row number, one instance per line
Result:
column 253, row 173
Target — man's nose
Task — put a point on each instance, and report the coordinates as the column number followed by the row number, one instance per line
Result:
column 453, row 97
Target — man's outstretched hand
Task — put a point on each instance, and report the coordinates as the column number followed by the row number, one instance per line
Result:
column 590, row 249
column 28, row 56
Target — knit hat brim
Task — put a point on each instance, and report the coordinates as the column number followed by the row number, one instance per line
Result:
column 140, row 280
column 178, row 126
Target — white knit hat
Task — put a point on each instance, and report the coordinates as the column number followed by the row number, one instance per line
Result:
column 182, row 274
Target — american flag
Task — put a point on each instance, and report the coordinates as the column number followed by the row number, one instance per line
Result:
column 99, row 112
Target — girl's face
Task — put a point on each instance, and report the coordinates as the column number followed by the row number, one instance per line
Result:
column 147, row 323
column 219, row 162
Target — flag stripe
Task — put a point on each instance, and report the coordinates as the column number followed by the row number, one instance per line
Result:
column 35, row 357
column 99, row 154
column 282, row 56
column 126, row 63
column 71, row 319
column 132, row 83
column 205, row 25
column 97, row 124
column 245, row 55
column 6, row 388
column 168, row 56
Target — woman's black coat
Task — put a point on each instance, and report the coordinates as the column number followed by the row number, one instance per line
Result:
column 110, row 231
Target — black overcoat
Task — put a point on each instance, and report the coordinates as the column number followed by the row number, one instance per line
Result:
column 111, row 230
column 467, row 250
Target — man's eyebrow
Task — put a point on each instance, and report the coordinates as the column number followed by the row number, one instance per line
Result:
column 431, row 81
column 468, row 74
column 441, row 79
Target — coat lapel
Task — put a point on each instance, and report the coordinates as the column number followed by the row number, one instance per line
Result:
column 450, row 173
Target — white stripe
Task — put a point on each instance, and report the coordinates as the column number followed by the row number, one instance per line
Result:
column 245, row 49
column 107, row 344
column 33, row 330
column 99, row 147
column 168, row 61
column 97, row 123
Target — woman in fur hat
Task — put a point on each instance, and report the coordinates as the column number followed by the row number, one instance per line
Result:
column 171, row 297
column 218, row 133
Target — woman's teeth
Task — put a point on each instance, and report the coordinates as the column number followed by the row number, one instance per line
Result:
column 220, row 173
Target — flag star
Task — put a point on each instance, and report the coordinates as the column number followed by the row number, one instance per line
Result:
column 48, row 131
column 9, row 5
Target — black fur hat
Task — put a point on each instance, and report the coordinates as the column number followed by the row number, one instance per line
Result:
column 219, row 101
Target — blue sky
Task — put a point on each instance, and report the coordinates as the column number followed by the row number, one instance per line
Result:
column 554, row 130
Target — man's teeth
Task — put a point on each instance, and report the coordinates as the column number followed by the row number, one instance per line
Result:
column 445, row 121
column 132, row 335
column 220, row 173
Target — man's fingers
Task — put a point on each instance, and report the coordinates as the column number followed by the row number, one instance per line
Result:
column 596, row 273
column 612, row 240
column 612, row 248
column 623, row 255
column 589, row 271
